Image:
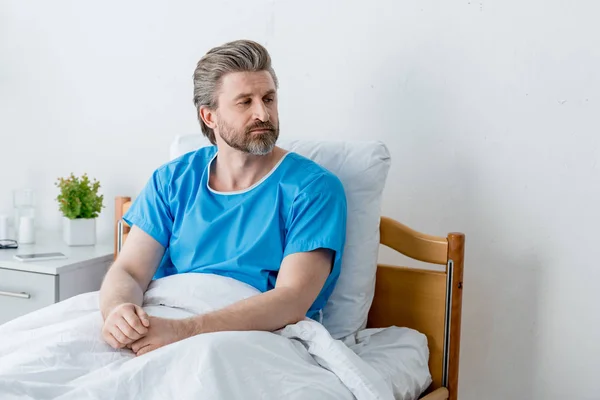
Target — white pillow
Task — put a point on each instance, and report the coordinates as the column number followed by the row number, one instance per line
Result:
column 362, row 167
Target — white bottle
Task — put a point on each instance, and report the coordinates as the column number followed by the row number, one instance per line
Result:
column 26, row 230
column 3, row 227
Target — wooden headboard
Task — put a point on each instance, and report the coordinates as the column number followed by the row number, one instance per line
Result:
column 427, row 301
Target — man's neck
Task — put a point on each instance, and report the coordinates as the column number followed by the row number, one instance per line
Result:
column 234, row 170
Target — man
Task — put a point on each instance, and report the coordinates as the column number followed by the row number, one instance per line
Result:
column 243, row 208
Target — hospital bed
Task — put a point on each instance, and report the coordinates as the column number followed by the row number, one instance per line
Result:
column 387, row 332
column 429, row 301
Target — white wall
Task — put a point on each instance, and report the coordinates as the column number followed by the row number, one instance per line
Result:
column 490, row 110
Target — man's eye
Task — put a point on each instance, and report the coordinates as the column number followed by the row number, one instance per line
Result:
column 268, row 100
column 245, row 102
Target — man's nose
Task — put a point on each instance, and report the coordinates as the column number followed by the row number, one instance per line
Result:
column 261, row 112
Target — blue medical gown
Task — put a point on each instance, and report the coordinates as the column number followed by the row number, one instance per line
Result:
column 298, row 207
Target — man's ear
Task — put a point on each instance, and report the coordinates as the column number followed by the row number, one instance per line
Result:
column 208, row 116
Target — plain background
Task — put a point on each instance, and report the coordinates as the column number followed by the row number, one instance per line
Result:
column 490, row 110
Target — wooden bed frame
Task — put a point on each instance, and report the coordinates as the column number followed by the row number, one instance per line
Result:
column 428, row 301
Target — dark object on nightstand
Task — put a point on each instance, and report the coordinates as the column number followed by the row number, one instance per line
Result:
column 8, row 244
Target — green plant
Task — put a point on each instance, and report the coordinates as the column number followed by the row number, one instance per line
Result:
column 79, row 197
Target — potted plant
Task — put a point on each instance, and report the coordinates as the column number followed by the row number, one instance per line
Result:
column 80, row 205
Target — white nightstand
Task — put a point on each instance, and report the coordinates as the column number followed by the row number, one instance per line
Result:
column 28, row 286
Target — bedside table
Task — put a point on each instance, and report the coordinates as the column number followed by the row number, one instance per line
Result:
column 28, row 286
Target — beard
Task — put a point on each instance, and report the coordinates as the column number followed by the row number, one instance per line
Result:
column 248, row 142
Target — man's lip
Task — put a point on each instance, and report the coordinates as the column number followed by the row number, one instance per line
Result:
column 261, row 130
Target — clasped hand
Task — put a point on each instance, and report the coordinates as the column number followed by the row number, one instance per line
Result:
column 128, row 325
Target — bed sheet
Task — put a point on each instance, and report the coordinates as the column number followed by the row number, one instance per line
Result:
column 58, row 353
column 399, row 355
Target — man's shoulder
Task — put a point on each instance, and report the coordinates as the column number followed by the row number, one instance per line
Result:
column 192, row 161
column 312, row 177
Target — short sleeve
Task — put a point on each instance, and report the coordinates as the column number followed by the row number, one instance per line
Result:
column 150, row 210
column 318, row 218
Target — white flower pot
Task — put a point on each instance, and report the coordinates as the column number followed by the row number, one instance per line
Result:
column 79, row 232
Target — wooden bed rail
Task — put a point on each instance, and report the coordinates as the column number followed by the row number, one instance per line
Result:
column 413, row 244
column 427, row 301
column 122, row 204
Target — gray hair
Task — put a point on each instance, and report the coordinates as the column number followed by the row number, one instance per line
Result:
column 237, row 56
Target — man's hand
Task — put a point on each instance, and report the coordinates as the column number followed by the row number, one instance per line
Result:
column 125, row 324
column 162, row 332
column 124, row 286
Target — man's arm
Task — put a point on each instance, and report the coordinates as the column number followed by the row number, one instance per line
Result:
column 300, row 279
column 122, row 291
column 299, row 282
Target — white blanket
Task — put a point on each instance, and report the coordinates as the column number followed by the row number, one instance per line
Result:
column 58, row 353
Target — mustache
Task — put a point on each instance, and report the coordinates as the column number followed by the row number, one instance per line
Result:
column 261, row 125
